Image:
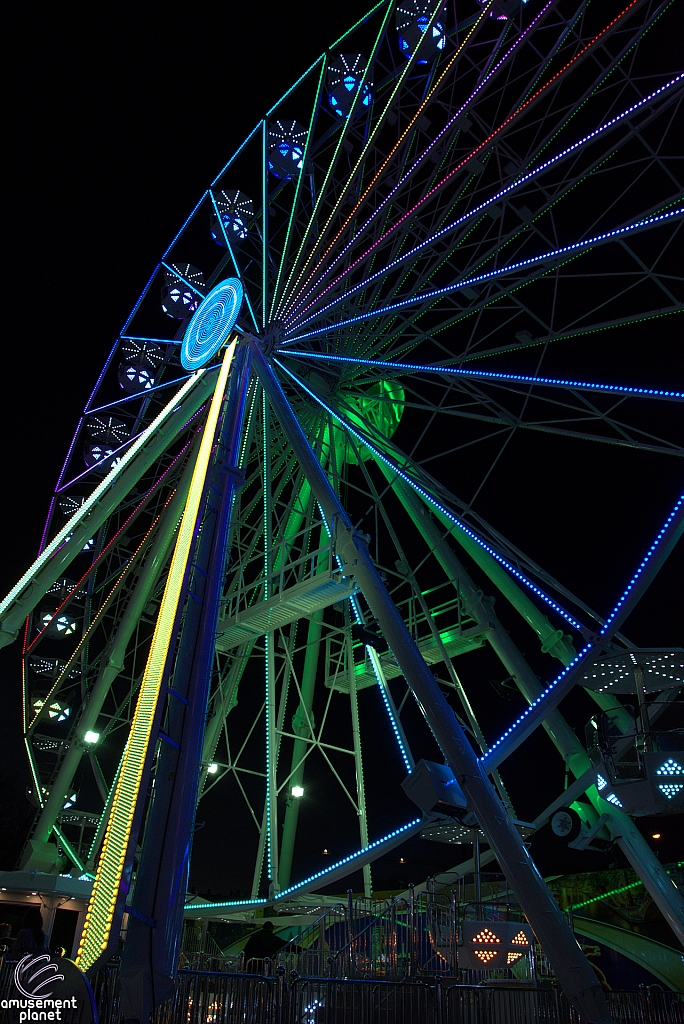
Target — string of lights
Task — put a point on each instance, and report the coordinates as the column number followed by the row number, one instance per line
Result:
column 468, row 282
column 474, row 212
column 617, row 389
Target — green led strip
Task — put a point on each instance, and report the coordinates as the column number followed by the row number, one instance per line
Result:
column 613, row 892
column 106, row 888
column 605, row 895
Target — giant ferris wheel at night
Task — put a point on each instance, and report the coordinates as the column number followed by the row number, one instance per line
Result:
column 440, row 272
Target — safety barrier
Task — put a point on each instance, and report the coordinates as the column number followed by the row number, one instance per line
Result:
column 218, row 998
column 208, row 997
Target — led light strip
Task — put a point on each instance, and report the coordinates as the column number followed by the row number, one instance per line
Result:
column 106, row 888
column 99, row 491
column 534, row 173
column 352, row 856
column 575, row 247
column 461, row 110
column 520, row 721
column 287, row 298
column 436, row 504
column 377, row 670
column 486, row 375
column 493, row 135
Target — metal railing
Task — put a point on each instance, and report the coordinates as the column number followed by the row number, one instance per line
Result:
column 217, row 998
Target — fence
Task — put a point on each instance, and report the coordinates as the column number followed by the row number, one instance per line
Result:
column 216, row 998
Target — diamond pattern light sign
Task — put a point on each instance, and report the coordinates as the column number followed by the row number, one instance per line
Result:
column 489, row 945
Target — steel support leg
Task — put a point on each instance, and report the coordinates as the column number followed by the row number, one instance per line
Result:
column 570, row 965
column 152, row 949
column 665, row 893
column 300, row 747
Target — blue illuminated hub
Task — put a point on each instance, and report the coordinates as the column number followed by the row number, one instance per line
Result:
column 211, row 324
column 345, row 79
column 415, row 31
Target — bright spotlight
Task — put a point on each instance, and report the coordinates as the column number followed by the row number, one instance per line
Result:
column 212, row 769
column 297, row 791
column 91, row 737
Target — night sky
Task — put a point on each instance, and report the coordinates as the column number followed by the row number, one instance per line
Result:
column 117, row 119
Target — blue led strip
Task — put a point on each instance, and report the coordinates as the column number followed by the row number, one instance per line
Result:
column 138, row 394
column 410, row 825
column 142, row 296
column 231, row 903
column 595, row 647
column 99, row 379
column 293, row 87
column 157, row 341
column 607, row 236
column 445, row 511
column 489, row 375
column 372, row 656
column 352, row 856
column 237, row 152
column 592, row 136
column 359, row 618
column 641, row 567
column 192, row 214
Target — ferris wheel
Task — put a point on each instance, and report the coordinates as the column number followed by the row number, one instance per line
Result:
column 414, row 291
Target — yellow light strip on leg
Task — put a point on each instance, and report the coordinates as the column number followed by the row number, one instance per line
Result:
column 106, row 888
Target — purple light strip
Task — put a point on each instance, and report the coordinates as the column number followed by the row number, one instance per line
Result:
column 617, row 389
column 592, row 136
column 68, row 455
column 576, row 247
column 434, row 142
column 47, row 525
column 99, row 379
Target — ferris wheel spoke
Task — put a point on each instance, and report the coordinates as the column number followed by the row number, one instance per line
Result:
column 567, row 183
column 426, row 299
column 569, row 112
column 424, row 248
column 400, row 368
column 485, row 76
column 494, row 293
column 303, row 263
column 416, row 476
column 288, row 241
column 406, row 168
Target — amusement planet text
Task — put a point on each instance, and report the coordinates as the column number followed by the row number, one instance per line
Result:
column 39, row 1009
